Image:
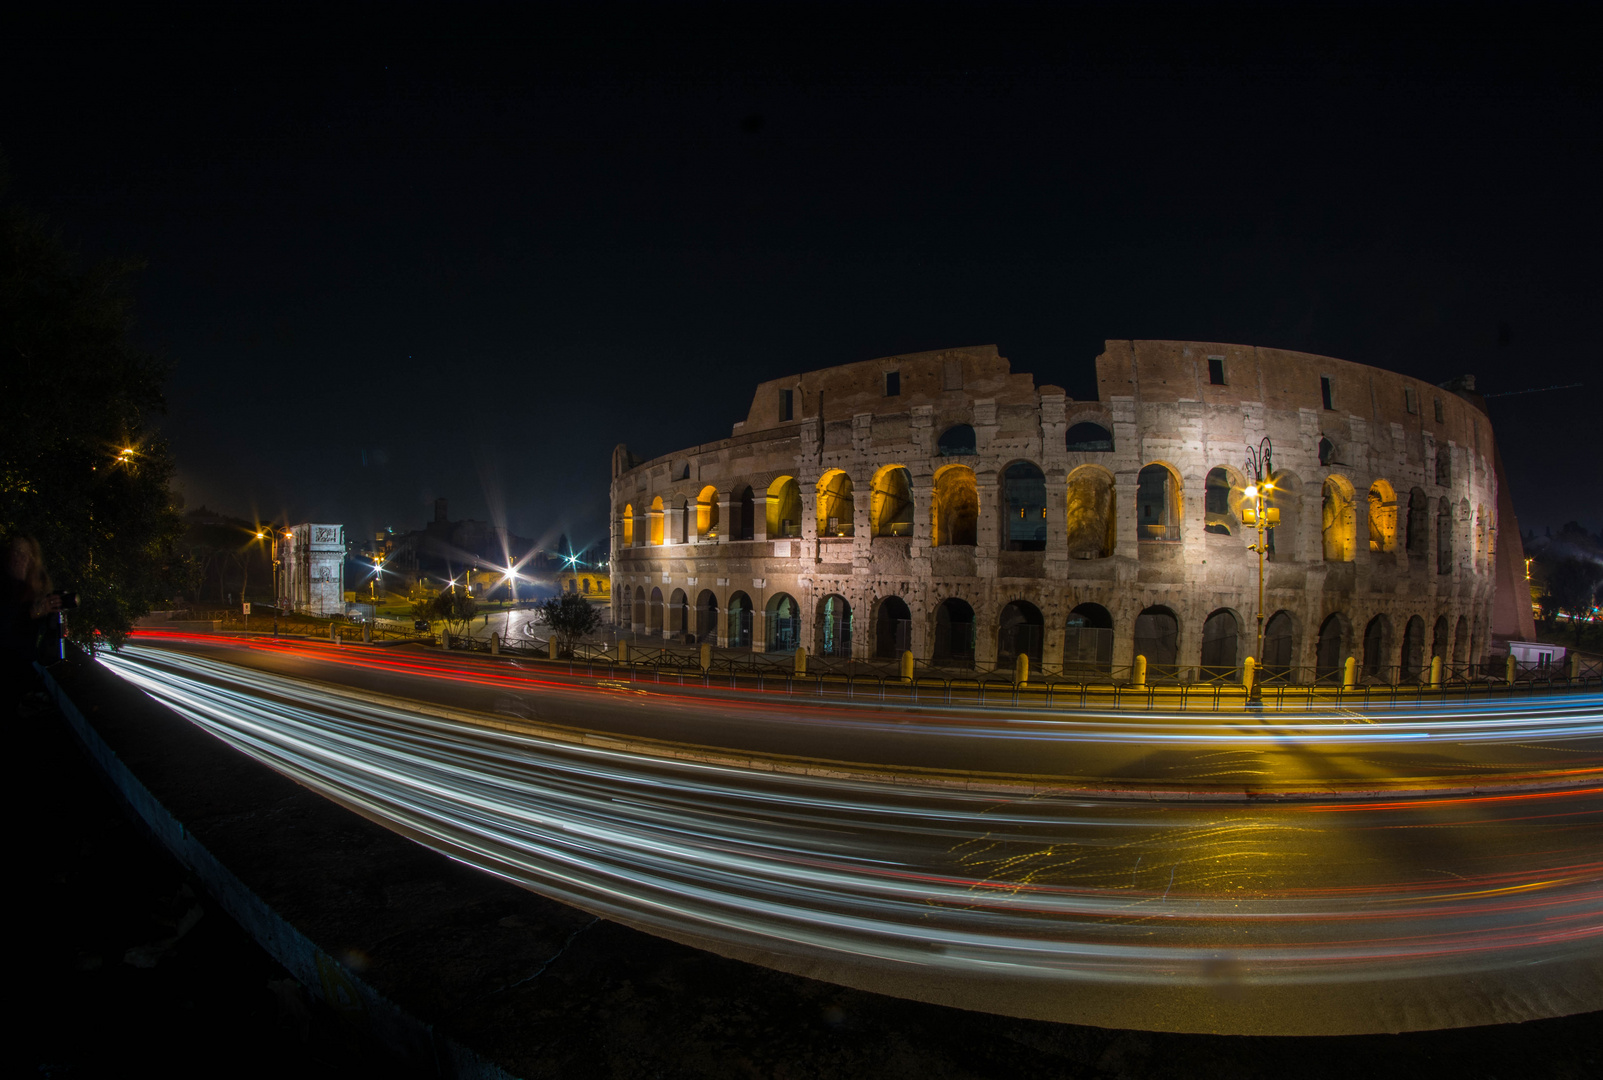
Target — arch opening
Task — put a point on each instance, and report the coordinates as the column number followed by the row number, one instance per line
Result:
column 740, row 621
column 955, row 633
column 654, row 613
column 1338, row 519
column 955, row 441
column 893, row 628
column 835, row 627
column 654, row 523
column 1221, row 502
column 745, row 515
column 1019, row 633
column 1092, row 513
column 1382, row 517
column 836, row 510
column 1157, row 503
column 707, row 514
column 628, row 525
column 1024, row 498
column 1413, row 659
column 1331, row 649
column 782, row 617
column 1377, row 648
column 1088, row 640
column 1221, row 639
column 955, row 515
column 706, row 616
column 784, row 509
column 678, row 619
column 1088, row 438
column 890, row 502
column 1279, row 646
column 1418, row 538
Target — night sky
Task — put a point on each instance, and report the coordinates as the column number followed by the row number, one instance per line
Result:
column 397, row 255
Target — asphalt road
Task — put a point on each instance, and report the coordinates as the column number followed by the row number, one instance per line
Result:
column 1304, row 915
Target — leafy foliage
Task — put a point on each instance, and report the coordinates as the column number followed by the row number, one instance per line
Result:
column 456, row 609
column 570, row 617
column 81, row 468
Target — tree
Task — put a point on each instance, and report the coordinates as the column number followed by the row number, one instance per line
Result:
column 570, row 617
column 1571, row 583
column 456, row 609
column 82, row 469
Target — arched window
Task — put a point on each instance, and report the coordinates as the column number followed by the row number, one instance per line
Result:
column 585, row 584
column 1092, row 513
column 1088, row 438
column 707, row 513
column 1088, row 640
column 654, row 522
column 654, row 614
column 1279, row 645
column 745, row 515
column 1418, row 524
column 706, row 616
column 784, row 509
column 890, row 502
column 835, row 627
column 955, row 513
column 1331, row 651
column 1382, row 517
column 783, row 616
column 1338, row 519
column 1413, row 650
column 740, row 621
column 1377, row 647
column 1221, row 634
column 835, row 506
column 628, row 526
column 954, row 633
column 956, row 440
column 893, row 628
column 1444, row 537
column 1018, row 633
column 639, row 619
column 1157, row 637
column 1221, row 501
column 1024, row 497
column 1157, row 504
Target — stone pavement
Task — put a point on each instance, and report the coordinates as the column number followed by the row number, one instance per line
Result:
column 457, row 973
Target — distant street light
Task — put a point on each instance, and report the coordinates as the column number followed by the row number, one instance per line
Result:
column 1260, row 465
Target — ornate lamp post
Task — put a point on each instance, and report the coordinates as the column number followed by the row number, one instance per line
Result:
column 1260, row 466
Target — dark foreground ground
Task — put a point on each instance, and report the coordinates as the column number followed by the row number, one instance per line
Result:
column 128, row 969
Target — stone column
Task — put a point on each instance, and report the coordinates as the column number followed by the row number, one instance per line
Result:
column 726, row 521
column 759, row 515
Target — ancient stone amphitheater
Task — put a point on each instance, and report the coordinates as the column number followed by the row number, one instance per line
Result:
column 939, row 503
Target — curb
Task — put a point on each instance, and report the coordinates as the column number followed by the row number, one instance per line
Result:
column 325, row 977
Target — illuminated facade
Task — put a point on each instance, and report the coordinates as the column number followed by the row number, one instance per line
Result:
column 941, row 503
column 311, row 576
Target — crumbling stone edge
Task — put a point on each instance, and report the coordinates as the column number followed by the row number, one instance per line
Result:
column 408, row 1036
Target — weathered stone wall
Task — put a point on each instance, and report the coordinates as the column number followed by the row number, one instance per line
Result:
column 1161, row 407
column 312, row 570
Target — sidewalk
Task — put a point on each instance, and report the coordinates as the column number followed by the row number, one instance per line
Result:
column 468, row 975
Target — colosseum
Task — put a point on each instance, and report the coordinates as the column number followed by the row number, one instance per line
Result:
column 941, row 504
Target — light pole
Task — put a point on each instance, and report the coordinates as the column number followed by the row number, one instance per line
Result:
column 1260, row 465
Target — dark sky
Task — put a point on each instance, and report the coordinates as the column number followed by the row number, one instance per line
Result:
column 462, row 252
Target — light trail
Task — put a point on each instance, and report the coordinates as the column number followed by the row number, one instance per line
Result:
column 1059, row 905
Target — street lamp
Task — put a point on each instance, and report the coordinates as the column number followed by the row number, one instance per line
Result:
column 1260, row 466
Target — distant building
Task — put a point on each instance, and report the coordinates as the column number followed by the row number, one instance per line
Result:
column 311, row 577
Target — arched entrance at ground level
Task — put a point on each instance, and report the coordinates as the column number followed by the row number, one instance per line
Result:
column 654, row 614
column 782, row 617
column 1331, row 651
column 893, row 628
column 1024, row 506
column 1018, row 633
column 834, row 627
column 1279, row 645
column 1088, row 640
column 954, row 633
column 1377, row 648
column 706, row 616
column 678, row 613
column 1461, row 641
column 740, row 621
column 1439, row 643
column 1413, row 650
column 1221, row 636
column 638, row 616
column 1157, row 637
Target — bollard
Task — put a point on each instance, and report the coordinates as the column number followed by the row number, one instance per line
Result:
column 445, row 640
column 1021, row 670
column 1508, row 669
column 907, row 666
column 367, row 633
column 495, row 644
column 1349, row 673
column 1249, row 669
column 801, row 660
column 1574, row 665
column 706, row 656
column 334, row 633
column 1435, row 673
column 623, row 652
column 1138, row 673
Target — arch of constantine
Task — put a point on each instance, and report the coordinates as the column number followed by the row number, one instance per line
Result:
column 941, row 503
